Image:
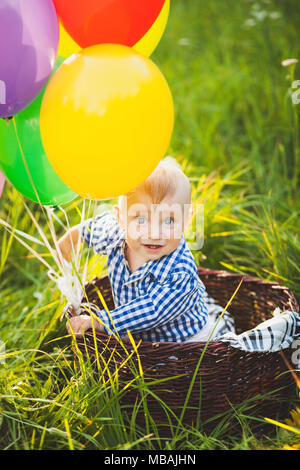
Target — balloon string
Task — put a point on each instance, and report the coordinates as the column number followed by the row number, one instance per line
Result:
column 46, row 213
column 28, row 171
column 31, row 180
column 92, row 228
column 69, row 285
column 25, row 162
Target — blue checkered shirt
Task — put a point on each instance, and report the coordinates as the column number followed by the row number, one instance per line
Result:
column 163, row 300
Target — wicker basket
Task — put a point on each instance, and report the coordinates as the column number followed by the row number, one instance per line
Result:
column 226, row 378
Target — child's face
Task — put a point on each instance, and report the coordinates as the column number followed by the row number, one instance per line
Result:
column 153, row 230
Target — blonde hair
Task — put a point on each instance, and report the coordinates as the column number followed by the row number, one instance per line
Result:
column 166, row 179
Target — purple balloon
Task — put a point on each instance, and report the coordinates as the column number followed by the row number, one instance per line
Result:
column 29, row 36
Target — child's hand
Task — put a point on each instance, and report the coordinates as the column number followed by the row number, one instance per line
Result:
column 78, row 325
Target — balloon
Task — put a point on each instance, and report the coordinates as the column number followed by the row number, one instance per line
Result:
column 29, row 38
column 91, row 22
column 66, row 46
column 50, row 189
column 149, row 42
column 2, row 183
column 145, row 46
column 106, row 120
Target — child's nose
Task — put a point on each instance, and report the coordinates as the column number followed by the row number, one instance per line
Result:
column 155, row 233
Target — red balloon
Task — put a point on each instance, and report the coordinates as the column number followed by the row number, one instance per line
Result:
column 91, row 22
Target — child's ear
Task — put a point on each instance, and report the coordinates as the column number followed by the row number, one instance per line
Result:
column 117, row 213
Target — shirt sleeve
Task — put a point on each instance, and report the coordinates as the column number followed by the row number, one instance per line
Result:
column 160, row 305
column 101, row 232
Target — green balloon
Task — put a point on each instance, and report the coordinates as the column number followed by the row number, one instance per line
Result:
column 49, row 187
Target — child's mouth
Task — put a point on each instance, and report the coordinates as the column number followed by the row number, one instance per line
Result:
column 152, row 248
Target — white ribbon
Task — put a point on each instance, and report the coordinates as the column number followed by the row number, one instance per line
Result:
column 70, row 286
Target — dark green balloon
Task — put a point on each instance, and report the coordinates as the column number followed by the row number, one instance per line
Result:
column 49, row 187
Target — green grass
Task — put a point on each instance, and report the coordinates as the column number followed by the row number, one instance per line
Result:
column 237, row 135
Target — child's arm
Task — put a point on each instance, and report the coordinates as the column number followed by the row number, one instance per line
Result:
column 97, row 233
column 68, row 242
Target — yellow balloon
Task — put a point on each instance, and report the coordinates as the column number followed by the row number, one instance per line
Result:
column 66, row 45
column 149, row 42
column 106, row 120
column 146, row 45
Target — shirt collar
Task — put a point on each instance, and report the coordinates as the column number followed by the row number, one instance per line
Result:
column 159, row 268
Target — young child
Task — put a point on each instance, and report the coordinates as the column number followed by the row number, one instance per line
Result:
column 157, row 291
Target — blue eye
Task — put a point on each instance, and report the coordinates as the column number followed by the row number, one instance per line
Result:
column 169, row 221
column 141, row 220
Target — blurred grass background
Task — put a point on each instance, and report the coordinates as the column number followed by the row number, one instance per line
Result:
column 237, row 136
